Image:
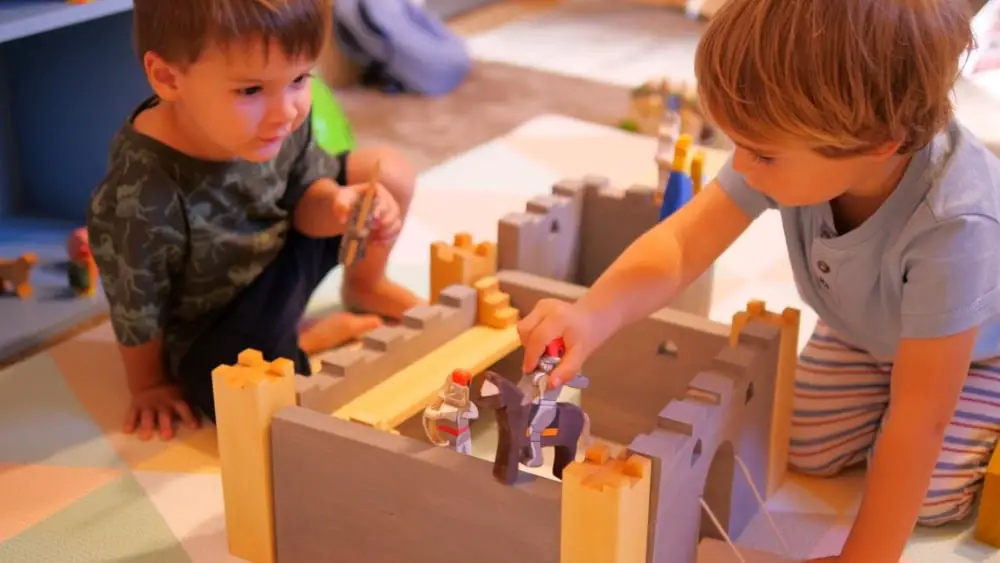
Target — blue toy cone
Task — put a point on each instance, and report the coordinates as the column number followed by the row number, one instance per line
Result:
column 678, row 191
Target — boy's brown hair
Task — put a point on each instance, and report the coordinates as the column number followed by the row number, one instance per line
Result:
column 180, row 30
column 843, row 76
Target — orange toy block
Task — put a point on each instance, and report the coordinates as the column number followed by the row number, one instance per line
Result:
column 605, row 507
column 493, row 307
column 460, row 263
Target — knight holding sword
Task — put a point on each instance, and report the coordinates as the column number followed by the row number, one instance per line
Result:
column 535, row 386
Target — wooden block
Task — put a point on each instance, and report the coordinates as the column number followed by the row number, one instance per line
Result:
column 409, row 390
column 715, row 551
column 461, row 262
column 246, row 397
column 988, row 520
column 605, row 508
column 346, row 493
column 493, row 305
column 784, row 386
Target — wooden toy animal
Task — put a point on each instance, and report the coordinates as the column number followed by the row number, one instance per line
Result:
column 15, row 274
column 570, row 427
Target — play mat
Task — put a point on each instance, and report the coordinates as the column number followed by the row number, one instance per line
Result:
column 74, row 489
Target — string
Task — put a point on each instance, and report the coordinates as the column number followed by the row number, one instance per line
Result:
column 722, row 530
column 760, row 499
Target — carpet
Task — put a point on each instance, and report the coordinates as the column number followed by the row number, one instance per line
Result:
column 495, row 98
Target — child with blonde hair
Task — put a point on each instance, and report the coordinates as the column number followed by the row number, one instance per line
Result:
column 842, row 121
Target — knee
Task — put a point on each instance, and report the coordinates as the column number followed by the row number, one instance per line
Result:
column 396, row 172
column 944, row 507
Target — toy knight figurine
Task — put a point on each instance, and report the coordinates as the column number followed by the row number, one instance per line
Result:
column 535, row 385
column 450, row 414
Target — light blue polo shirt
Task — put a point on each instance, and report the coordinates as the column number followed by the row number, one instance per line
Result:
column 926, row 264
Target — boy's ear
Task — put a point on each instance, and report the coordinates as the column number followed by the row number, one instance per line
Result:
column 162, row 76
column 886, row 150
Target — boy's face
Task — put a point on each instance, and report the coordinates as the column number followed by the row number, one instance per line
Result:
column 800, row 176
column 243, row 101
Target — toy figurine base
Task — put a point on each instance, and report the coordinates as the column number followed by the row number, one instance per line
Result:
column 53, row 307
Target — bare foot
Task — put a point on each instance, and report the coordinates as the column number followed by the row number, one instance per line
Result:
column 334, row 330
column 384, row 298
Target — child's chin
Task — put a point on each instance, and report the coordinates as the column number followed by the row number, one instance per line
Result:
column 262, row 154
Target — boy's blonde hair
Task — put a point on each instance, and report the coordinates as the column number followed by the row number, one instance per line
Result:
column 843, row 76
column 180, row 30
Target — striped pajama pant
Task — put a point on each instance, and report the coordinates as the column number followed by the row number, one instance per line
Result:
column 841, row 394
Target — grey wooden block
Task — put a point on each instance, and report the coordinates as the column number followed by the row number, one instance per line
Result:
column 345, row 492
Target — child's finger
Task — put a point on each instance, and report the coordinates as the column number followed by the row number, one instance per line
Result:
column 568, row 367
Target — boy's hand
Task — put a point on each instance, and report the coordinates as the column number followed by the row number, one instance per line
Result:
column 386, row 223
column 550, row 319
column 157, row 406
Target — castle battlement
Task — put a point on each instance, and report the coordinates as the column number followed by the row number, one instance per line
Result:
column 461, row 262
column 349, row 372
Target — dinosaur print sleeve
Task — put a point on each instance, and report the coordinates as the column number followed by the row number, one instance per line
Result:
column 310, row 163
column 137, row 235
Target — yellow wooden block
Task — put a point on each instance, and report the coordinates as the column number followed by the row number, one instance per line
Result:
column 409, row 390
column 461, row 262
column 492, row 305
column 988, row 520
column 605, row 508
column 246, row 397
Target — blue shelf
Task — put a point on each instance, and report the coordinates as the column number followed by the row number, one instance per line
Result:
column 53, row 308
column 67, row 93
column 22, row 18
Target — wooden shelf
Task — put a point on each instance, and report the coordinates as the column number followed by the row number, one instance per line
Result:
column 23, row 18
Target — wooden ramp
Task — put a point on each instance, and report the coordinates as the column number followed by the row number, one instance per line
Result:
column 409, row 390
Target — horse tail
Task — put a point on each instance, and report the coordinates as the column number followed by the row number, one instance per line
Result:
column 585, row 433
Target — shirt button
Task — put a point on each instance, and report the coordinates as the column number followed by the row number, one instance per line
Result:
column 823, row 267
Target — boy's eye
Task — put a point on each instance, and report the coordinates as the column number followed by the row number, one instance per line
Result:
column 763, row 159
column 250, row 91
column 302, row 79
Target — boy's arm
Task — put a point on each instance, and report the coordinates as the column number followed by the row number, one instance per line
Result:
column 951, row 286
column 312, row 191
column 137, row 240
column 671, row 255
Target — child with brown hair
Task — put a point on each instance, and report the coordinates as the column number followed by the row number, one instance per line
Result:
column 220, row 215
column 842, row 121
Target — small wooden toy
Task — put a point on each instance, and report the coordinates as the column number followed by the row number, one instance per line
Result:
column 514, row 412
column 450, row 414
column 359, row 224
column 544, row 400
column 15, row 274
column 82, row 270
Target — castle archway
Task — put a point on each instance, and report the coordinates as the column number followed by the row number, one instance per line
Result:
column 718, row 491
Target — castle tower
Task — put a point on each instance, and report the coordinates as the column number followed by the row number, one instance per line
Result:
column 460, row 263
column 605, row 508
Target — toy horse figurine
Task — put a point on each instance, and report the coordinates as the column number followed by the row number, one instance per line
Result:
column 535, row 386
column 568, row 428
column 450, row 414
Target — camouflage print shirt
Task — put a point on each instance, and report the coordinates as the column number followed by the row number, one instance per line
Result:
column 176, row 238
